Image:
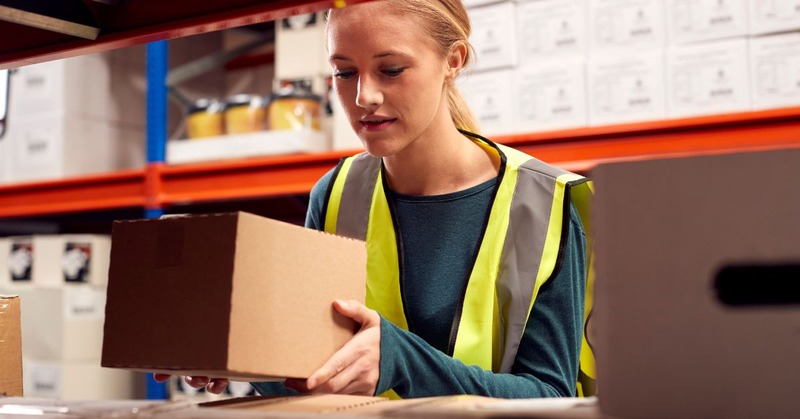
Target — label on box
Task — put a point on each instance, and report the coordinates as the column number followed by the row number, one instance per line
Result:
column 775, row 66
column 489, row 95
column 626, row 24
column 551, row 28
column 75, row 261
column 43, row 380
column 774, row 16
column 84, row 303
column 20, row 261
column 693, row 20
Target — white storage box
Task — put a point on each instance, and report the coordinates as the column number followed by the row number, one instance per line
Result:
column 626, row 88
column 300, row 47
column 708, row 78
column 767, row 16
column 626, row 25
column 78, row 381
column 553, row 28
column 342, row 135
column 704, row 20
column 63, row 324
column 494, row 36
column 551, row 96
column 775, row 70
column 490, row 97
column 54, row 145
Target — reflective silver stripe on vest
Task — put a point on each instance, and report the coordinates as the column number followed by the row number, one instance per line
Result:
column 353, row 217
column 522, row 250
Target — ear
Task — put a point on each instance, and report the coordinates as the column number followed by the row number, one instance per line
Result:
column 455, row 61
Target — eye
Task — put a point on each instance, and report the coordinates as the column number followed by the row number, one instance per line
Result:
column 393, row 72
column 344, row 75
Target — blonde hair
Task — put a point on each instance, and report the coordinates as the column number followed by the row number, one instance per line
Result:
column 448, row 23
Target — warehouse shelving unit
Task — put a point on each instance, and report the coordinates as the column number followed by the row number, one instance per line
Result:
column 159, row 185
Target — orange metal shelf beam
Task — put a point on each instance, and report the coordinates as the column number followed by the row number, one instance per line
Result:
column 124, row 189
column 577, row 150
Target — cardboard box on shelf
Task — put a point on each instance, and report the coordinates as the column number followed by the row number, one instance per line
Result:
column 490, row 97
column 342, row 135
column 626, row 88
column 703, row 20
column 267, row 287
column 79, row 380
column 10, row 347
column 769, row 16
column 494, row 36
column 775, row 70
column 552, row 96
column 626, row 25
column 5, row 158
column 53, row 145
column 548, row 29
column 709, row 78
column 50, row 261
column 63, row 324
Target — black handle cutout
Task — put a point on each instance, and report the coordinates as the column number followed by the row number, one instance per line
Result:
column 759, row 285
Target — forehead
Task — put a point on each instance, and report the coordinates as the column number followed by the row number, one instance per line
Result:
column 375, row 25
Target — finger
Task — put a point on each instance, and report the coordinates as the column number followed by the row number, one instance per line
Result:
column 354, row 310
column 337, row 363
column 160, row 378
column 196, row 382
column 217, row 385
column 338, row 382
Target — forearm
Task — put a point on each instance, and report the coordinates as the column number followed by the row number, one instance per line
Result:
column 413, row 368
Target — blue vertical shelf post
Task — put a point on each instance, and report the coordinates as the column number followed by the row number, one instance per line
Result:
column 157, row 65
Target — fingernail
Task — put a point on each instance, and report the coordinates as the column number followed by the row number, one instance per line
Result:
column 342, row 303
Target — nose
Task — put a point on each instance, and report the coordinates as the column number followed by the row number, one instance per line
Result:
column 369, row 95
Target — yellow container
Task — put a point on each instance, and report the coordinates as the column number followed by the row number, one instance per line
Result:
column 245, row 113
column 294, row 112
column 205, row 119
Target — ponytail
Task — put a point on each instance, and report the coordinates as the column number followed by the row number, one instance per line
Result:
column 459, row 111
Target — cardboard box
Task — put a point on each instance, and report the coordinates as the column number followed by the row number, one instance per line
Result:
column 556, row 28
column 10, row 347
column 50, row 261
column 552, row 95
column 54, row 144
column 317, row 403
column 78, row 380
column 63, row 324
column 494, row 36
column 5, row 159
column 228, row 295
column 490, row 96
column 626, row 88
column 342, row 135
column 775, row 70
column 710, row 78
column 689, row 296
column 704, row 20
column 626, row 25
column 768, row 16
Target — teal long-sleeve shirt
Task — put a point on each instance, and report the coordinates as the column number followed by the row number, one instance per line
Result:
column 439, row 235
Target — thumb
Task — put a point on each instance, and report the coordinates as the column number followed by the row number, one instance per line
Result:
column 354, row 310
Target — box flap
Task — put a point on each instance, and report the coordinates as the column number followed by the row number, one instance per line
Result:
column 10, row 347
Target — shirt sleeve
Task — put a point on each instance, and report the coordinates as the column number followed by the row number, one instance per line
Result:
column 546, row 364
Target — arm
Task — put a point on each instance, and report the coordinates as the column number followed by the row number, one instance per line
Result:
column 546, row 364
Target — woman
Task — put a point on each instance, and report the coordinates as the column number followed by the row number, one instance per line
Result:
column 464, row 236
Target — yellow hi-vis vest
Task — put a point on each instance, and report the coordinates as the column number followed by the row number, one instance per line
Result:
column 522, row 241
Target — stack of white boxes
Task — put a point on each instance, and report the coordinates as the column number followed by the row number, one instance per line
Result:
column 64, row 119
column 61, row 281
column 558, row 64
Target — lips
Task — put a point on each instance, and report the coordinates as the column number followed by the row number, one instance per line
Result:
column 377, row 123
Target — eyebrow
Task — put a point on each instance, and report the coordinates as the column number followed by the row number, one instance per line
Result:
column 339, row 57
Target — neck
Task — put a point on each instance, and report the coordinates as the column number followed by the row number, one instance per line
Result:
column 445, row 161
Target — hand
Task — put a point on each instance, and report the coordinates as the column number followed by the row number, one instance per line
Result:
column 355, row 368
column 212, row 385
